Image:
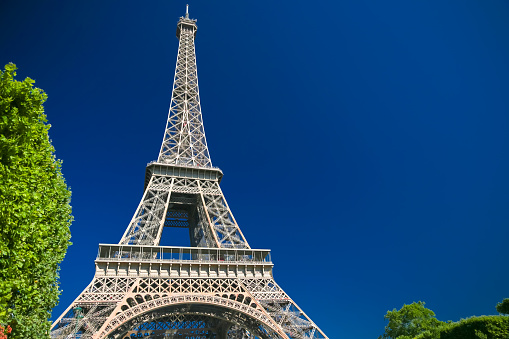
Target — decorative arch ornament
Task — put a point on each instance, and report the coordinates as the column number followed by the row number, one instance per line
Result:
column 237, row 313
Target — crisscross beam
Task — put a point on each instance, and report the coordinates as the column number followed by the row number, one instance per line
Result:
column 184, row 141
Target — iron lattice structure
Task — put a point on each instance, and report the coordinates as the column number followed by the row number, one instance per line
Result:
column 219, row 287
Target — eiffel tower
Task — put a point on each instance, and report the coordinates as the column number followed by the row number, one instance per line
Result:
column 219, row 287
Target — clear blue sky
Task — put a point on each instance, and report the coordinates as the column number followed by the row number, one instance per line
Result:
column 365, row 142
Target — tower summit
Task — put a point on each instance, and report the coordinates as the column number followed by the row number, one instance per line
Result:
column 219, row 287
column 184, row 140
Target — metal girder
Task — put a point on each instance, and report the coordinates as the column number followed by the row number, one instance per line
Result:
column 112, row 302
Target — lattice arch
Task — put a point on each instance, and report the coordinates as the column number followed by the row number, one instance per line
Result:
column 139, row 309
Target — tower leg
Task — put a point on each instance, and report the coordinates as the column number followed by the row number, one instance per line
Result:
column 283, row 310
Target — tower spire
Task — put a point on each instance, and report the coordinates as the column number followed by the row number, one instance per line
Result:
column 184, row 142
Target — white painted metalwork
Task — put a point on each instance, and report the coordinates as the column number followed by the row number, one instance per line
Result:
column 217, row 288
column 184, row 140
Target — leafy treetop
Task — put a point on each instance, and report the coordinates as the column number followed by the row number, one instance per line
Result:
column 503, row 307
column 410, row 321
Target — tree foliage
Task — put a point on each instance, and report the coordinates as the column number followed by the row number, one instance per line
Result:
column 414, row 321
column 503, row 307
column 35, row 214
column 410, row 321
column 489, row 327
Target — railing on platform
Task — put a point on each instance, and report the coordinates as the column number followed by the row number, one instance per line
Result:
column 182, row 254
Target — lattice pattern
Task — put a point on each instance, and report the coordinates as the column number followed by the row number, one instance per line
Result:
column 184, row 140
column 182, row 286
column 177, row 218
column 215, row 225
column 265, row 289
column 95, row 305
column 161, row 183
column 148, row 219
column 282, row 309
column 189, row 326
column 184, row 185
column 106, row 289
column 216, row 304
column 86, row 322
column 237, row 332
column 191, row 321
column 138, row 295
column 104, row 295
column 210, row 187
column 202, row 233
column 178, row 324
column 227, row 231
column 179, row 321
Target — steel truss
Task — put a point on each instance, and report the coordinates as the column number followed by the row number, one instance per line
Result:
column 217, row 288
column 184, row 140
column 214, row 224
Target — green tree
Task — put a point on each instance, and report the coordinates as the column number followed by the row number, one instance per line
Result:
column 35, row 214
column 483, row 327
column 410, row 321
column 503, row 307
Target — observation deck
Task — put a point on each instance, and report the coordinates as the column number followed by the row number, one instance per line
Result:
column 182, row 262
column 186, row 24
column 182, row 171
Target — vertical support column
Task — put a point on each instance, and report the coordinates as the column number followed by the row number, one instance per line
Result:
column 233, row 218
column 224, row 225
column 161, row 224
column 144, row 225
column 211, row 226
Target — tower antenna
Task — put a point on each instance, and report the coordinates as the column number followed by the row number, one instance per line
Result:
column 187, row 11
